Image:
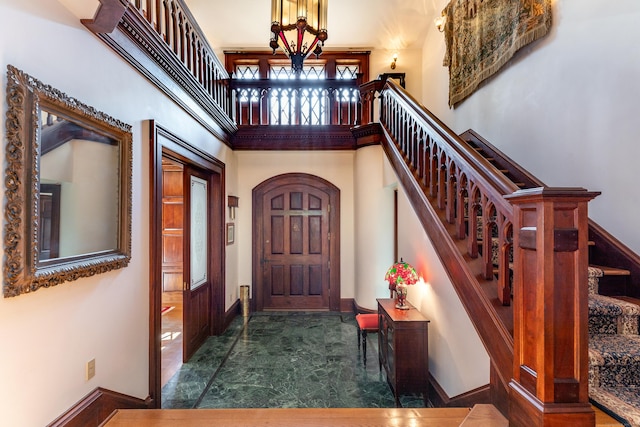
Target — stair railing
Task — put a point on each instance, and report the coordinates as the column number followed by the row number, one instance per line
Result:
column 538, row 351
column 464, row 184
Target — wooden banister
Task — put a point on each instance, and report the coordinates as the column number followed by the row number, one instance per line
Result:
column 464, row 184
column 466, row 206
column 550, row 368
column 436, row 171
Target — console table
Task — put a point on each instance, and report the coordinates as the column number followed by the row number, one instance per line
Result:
column 403, row 349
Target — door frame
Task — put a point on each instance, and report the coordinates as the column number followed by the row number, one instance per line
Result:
column 163, row 143
column 334, row 221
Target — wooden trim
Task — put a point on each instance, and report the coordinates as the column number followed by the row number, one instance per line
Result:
column 232, row 313
column 328, row 58
column 96, row 407
column 266, row 137
column 107, row 16
column 440, row 399
column 164, row 143
column 367, row 135
column 139, row 44
column 347, row 305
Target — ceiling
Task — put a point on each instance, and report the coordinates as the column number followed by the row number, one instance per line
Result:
column 352, row 24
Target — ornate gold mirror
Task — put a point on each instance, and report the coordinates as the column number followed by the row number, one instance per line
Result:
column 67, row 188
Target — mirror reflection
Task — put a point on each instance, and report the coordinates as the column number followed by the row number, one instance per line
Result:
column 79, row 187
column 67, row 188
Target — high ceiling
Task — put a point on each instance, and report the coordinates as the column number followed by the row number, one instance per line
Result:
column 357, row 24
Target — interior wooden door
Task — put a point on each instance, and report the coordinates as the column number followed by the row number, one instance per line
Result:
column 196, row 267
column 294, row 256
column 172, row 230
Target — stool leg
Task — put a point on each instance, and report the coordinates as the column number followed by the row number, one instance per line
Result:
column 358, row 338
column 364, row 346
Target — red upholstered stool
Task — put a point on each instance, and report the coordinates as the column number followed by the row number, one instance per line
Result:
column 366, row 323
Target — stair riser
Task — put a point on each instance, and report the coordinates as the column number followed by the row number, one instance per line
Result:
column 611, row 325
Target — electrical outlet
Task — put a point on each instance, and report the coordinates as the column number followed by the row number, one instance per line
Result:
column 91, row 369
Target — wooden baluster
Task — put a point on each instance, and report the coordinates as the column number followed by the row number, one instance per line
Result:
column 426, row 159
column 433, row 171
column 442, row 180
column 472, row 219
column 550, row 366
column 488, row 212
column 461, row 206
column 451, row 194
column 504, row 245
column 158, row 18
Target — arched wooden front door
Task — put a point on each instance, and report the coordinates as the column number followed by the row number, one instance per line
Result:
column 296, row 263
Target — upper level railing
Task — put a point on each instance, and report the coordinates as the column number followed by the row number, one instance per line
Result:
column 314, row 102
column 173, row 22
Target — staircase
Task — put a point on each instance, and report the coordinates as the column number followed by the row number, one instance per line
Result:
column 614, row 342
column 614, row 353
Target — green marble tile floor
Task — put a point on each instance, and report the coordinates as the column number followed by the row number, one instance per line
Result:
column 284, row 360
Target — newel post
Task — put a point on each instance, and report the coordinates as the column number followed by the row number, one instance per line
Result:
column 550, row 364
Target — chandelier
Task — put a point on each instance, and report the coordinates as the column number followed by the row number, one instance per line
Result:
column 299, row 28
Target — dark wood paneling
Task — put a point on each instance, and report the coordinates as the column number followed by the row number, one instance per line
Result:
column 172, row 226
column 335, row 137
column 96, row 407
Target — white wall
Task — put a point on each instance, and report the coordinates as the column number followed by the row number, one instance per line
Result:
column 565, row 108
column 334, row 166
column 373, row 227
column 50, row 335
column 457, row 358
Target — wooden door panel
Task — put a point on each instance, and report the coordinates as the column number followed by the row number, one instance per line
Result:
column 172, row 250
column 198, row 317
column 197, row 256
column 296, row 248
column 172, row 281
column 296, row 257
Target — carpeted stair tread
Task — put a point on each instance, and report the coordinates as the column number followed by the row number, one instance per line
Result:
column 614, row 360
column 607, row 350
column 609, row 315
column 614, row 352
column 601, row 305
column 622, row 403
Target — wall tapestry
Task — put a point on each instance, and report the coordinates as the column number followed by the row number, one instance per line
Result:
column 482, row 35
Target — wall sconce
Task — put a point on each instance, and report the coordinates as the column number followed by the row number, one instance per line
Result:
column 232, row 202
column 440, row 22
column 393, row 62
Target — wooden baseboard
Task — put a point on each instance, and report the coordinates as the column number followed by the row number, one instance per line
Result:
column 439, row 398
column 96, row 407
column 232, row 313
column 347, row 305
column 358, row 309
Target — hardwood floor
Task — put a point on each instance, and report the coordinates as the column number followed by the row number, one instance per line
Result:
column 171, row 341
column 343, row 417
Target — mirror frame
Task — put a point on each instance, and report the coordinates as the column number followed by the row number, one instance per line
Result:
column 23, row 273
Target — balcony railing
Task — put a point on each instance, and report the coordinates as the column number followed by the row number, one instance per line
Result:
column 296, row 102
